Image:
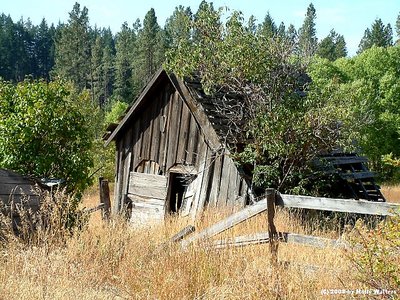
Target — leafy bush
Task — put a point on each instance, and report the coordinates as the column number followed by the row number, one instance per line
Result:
column 376, row 254
column 47, row 130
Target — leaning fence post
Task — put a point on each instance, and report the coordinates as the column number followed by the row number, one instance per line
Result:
column 273, row 235
column 105, row 197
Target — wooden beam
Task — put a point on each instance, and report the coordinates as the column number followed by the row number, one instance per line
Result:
column 340, row 205
column 227, row 223
column 182, row 233
column 93, row 209
column 177, row 237
column 264, row 237
column 337, row 160
column 357, row 175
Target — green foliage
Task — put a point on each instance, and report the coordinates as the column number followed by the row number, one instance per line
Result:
column 104, row 157
column 371, row 81
column 376, row 254
column 117, row 110
column 46, row 131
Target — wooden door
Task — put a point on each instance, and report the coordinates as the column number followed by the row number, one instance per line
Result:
column 148, row 193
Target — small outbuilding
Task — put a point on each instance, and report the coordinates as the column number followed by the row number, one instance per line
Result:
column 16, row 189
column 172, row 153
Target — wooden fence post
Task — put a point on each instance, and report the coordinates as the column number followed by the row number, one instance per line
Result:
column 273, row 235
column 105, row 197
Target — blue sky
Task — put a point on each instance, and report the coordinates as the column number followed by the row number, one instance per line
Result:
column 347, row 17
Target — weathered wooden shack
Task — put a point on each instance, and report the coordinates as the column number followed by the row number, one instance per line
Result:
column 17, row 190
column 172, row 154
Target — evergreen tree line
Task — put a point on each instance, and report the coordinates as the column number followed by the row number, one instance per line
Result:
column 116, row 67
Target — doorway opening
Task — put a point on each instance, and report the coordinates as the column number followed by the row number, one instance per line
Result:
column 177, row 189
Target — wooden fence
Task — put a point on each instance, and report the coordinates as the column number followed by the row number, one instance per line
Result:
column 268, row 204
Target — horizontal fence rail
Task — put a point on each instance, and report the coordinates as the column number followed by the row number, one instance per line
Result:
column 268, row 204
column 263, row 237
column 339, row 205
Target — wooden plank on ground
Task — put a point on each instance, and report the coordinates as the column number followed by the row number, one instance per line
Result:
column 263, row 237
column 229, row 222
column 340, row 205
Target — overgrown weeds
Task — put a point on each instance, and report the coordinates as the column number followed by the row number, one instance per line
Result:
column 112, row 260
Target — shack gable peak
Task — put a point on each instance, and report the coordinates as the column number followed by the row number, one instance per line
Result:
column 212, row 112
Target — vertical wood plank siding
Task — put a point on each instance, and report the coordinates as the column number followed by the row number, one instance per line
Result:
column 165, row 132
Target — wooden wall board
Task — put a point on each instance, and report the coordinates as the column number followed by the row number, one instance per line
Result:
column 148, row 185
column 183, row 134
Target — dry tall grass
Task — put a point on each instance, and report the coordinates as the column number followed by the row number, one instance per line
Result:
column 116, row 261
column 391, row 193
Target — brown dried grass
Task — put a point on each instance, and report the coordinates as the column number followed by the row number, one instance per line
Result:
column 115, row 261
column 391, row 193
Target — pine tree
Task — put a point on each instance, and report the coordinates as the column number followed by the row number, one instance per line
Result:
column 148, row 43
column 177, row 27
column 72, row 49
column 379, row 35
column 268, row 28
column 307, row 34
column 125, row 51
column 332, row 47
column 96, row 75
column 397, row 27
column 44, row 49
column 108, row 68
column 151, row 49
column 340, row 47
column 291, row 35
column 281, row 30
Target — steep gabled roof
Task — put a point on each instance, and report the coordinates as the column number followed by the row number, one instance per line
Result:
column 211, row 112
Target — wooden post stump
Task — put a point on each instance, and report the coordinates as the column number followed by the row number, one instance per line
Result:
column 273, row 234
column 105, row 198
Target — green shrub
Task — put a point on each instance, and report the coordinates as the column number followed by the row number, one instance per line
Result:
column 376, row 254
column 47, row 130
